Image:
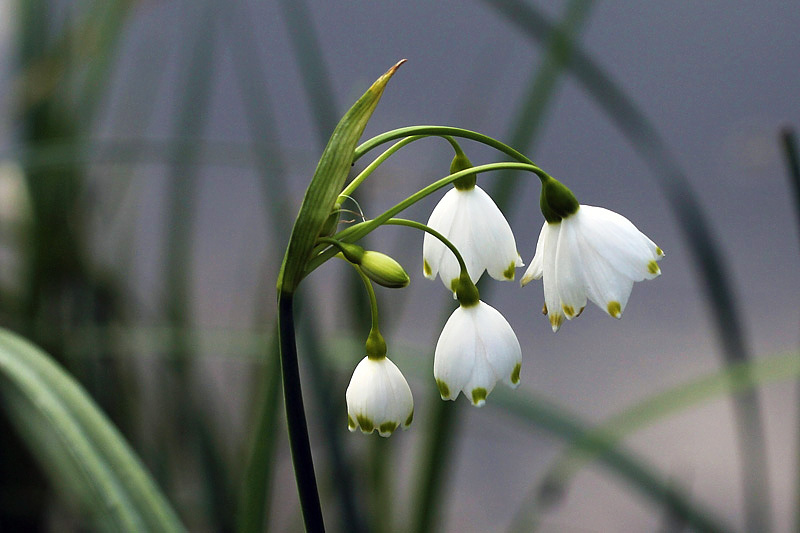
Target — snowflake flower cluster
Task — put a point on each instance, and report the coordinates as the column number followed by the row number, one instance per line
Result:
column 583, row 253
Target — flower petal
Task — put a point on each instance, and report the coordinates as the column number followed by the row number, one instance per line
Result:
column 477, row 348
column 441, row 219
column 475, row 225
column 569, row 275
column 500, row 344
column 378, row 398
column 455, row 354
column 552, row 300
column 607, row 287
column 615, row 238
column 492, row 236
column 535, row 269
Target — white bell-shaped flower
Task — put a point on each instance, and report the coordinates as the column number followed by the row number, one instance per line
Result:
column 471, row 220
column 593, row 253
column 477, row 348
column 378, row 398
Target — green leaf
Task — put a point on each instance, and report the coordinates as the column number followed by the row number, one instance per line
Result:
column 327, row 183
column 78, row 447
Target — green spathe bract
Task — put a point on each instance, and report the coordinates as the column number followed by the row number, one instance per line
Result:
column 327, row 183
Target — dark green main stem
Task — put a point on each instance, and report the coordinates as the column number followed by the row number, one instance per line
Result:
column 296, row 418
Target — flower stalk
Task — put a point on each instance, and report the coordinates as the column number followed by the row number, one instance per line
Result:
column 358, row 231
column 296, row 418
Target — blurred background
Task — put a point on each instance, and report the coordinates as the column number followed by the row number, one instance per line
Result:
column 153, row 155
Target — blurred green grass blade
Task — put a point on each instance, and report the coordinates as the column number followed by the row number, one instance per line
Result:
column 310, row 57
column 605, row 437
column 382, row 514
column 99, row 37
column 59, row 153
column 790, row 152
column 436, row 457
column 256, row 486
column 253, row 82
column 697, row 233
column 539, row 413
column 188, row 418
column 256, row 491
column 531, row 114
column 76, row 443
column 789, row 144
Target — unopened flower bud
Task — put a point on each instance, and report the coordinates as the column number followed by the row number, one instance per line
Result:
column 384, row 270
column 378, row 267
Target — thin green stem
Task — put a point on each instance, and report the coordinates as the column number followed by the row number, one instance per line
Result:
column 357, row 231
column 364, row 174
column 530, row 115
column 420, row 226
column 373, row 300
column 442, row 131
column 296, row 418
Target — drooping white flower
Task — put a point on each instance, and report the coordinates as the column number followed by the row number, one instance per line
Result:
column 593, row 253
column 378, row 398
column 477, row 348
column 471, row 220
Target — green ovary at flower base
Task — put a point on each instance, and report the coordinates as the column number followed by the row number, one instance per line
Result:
column 586, row 252
column 470, row 219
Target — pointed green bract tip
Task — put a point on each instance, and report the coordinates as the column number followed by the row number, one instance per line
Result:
column 515, row 374
column 426, row 268
column 556, row 319
column 614, row 309
column 444, row 390
column 568, row 310
column 409, row 419
column 387, row 428
column 659, row 251
column 351, row 424
column 479, row 396
column 652, row 267
column 454, row 284
column 366, row 424
column 509, row 272
column 314, row 217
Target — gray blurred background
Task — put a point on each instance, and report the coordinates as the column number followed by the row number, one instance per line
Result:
column 718, row 79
